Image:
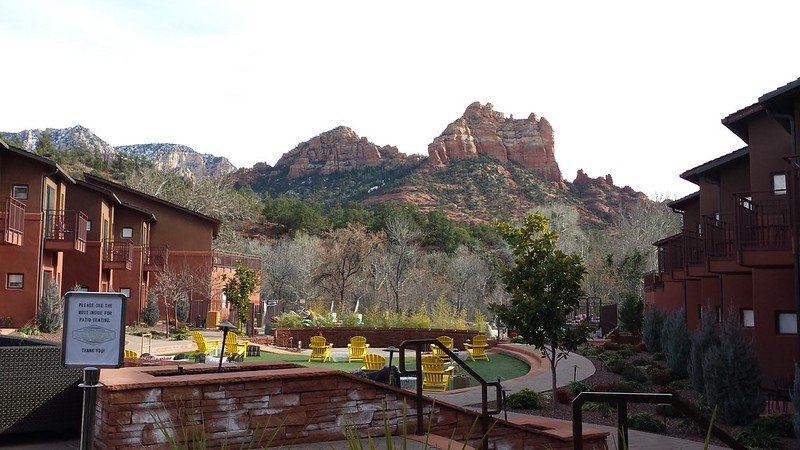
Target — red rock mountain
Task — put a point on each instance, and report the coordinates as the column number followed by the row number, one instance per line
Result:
column 601, row 196
column 337, row 150
column 481, row 130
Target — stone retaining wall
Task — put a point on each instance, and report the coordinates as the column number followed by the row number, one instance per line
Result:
column 376, row 337
column 299, row 405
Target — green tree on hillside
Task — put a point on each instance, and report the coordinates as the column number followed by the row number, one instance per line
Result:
column 545, row 289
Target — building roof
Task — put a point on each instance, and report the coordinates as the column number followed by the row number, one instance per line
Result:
column 104, row 192
column 95, row 179
column 693, row 175
column 680, row 203
column 737, row 121
column 38, row 158
column 150, row 216
column 787, row 90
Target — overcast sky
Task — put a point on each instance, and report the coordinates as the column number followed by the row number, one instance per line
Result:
column 635, row 89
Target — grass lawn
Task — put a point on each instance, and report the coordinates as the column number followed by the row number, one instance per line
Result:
column 505, row 367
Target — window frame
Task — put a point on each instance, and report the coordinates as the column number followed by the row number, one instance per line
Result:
column 122, row 291
column 741, row 316
column 14, row 192
column 778, row 323
column 88, row 224
column 21, row 282
column 124, row 229
column 774, row 189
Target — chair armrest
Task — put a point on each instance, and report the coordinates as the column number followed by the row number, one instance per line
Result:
column 349, row 345
column 467, row 346
column 212, row 343
column 449, row 369
column 366, row 346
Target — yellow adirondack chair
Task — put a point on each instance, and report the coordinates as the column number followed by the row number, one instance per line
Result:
column 357, row 348
column 130, row 354
column 448, row 342
column 434, row 375
column 204, row 347
column 373, row 361
column 320, row 349
column 477, row 349
column 234, row 348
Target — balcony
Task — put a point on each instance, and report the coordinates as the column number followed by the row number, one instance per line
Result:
column 12, row 222
column 117, row 255
column 653, row 281
column 670, row 254
column 234, row 260
column 154, row 259
column 763, row 229
column 64, row 230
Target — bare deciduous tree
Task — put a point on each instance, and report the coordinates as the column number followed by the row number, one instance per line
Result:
column 468, row 277
column 347, row 253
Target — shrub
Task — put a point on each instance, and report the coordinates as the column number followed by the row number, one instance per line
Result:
column 776, row 425
column 680, row 385
column 756, row 438
column 631, row 313
column 659, row 375
column 658, row 356
column 420, row 319
column 618, row 365
column 629, row 348
column 524, row 399
column 611, row 346
column 563, row 395
column 631, row 373
column 667, row 410
column 517, row 340
column 606, row 387
column 588, row 351
column 290, row 320
column 182, row 309
column 676, row 343
column 50, row 310
column 646, row 422
column 29, row 330
column 181, row 334
column 702, row 339
column 651, row 334
column 630, row 386
column 576, row 387
column 732, row 378
column 603, row 408
column 641, row 362
column 350, row 320
column 609, row 356
column 688, row 426
column 150, row 311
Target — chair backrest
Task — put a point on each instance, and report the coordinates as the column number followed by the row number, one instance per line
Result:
column 318, row 341
column 130, row 354
column 374, row 361
column 446, row 340
column 479, row 340
column 231, row 340
column 358, row 341
column 432, row 363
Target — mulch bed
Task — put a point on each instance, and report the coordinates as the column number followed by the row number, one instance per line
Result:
column 675, row 427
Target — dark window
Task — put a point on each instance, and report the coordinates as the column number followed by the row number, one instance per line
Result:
column 88, row 225
column 20, row 191
column 699, row 311
column 15, row 281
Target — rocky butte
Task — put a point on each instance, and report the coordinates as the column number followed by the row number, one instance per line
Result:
column 340, row 149
column 481, row 130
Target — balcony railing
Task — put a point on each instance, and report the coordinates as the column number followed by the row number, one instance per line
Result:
column 12, row 222
column 670, row 254
column 234, row 260
column 64, row 230
column 118, row 255
column 763, row 221
column 719, row 236
column 154, row 258
column 653, row 281
column 693, row 247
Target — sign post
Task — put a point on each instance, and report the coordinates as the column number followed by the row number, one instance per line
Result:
column 93, row 337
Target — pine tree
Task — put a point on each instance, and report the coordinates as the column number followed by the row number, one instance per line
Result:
column 150, row 311
column 702, row 339
column 676, row 343
column 50, row 311
column 732, row 378
column 653, row 323
column 631, row 313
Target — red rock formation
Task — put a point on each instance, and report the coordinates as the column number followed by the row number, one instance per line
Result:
column 601, row 196
column 337, row 150
column 481, row 130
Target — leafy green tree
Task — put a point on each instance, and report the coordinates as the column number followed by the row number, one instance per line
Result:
column 545, row 289
column 631, row 313
column 295, row 215
column 238, row 289
column 350, row 214
column 732, row 377
column 676, row 343
column 444, row 233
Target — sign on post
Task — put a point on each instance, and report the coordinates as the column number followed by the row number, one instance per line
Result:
column 94, row 329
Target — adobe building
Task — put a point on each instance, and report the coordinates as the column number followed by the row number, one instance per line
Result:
column 738, row 250
column 98, row 235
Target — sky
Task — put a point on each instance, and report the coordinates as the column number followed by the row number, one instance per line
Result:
column 634, row 89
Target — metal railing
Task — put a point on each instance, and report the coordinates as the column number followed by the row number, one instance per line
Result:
column 118, row 251
column 12, row 219
column 653, row 280
column 60, row 225
column 693, row 247
column 154, row 258
column 719, row 236
column 421, row 345
column 233, row 260
column 670, row 254
column 621, row 399
column 762, row 221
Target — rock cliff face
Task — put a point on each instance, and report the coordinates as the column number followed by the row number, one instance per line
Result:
column 63, row 139
column 178, row 157
column 337, row 150
column 601, row 196
column 481, row 130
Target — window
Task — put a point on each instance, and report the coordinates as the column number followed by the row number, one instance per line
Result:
column 127, row 232
column 699, row 228
column 778, row 183
column 126, row 291
column 700, row 312
column 15, row 281
column 88, row 225
column 719, row 314
column 20, row 191
column 748, row 318
column 787, row 323
column 224, row 300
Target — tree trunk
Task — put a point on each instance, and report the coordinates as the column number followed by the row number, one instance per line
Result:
column 553, row 371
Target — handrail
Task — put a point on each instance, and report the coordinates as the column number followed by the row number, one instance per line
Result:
column 485, row 411
column 623, row 398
